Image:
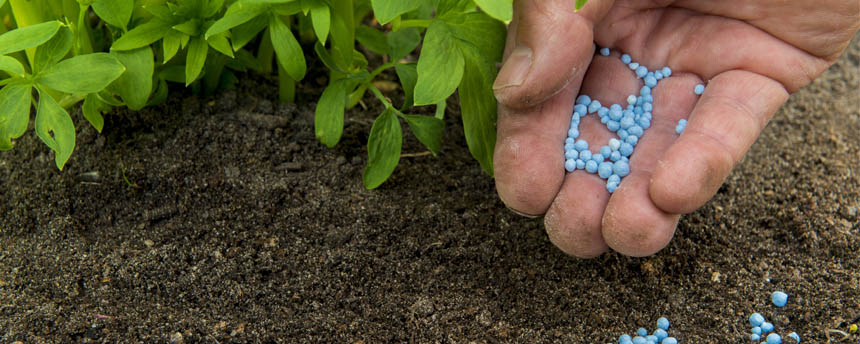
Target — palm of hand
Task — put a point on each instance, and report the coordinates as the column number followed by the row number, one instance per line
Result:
column 751, row 57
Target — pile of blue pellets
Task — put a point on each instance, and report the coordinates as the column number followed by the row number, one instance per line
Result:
column 660, row 335
column 612, row 161
column 763, row 329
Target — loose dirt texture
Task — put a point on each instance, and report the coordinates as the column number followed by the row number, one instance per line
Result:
column 236, row 225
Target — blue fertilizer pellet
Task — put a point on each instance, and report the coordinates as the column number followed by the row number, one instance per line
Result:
column 648, row 98
column 754, row 337
column 604, row 170
column 779, row 298
column 661, row 333
column 573, row 133
column 636, row 130
column 631, row 99
column 605, row 151
column 632, row 139
column 570, row 165
column 766, row 327
column 585, row 155
column 615, row 156
column 699, row 89
column 611, row 187
column 580, row 164
column 624, row 338
column 642, row 332
column 614, row 144
column 594, row 106
column 667, row 72
column 603, row 111
column 612, row 125
column 622, row 134
column 613, row 179
column 580, row 109
column 633, row 65
column 622, row 169
column 641, row 71
column 682, row 124
column 658, row 75
column 581, row 145
column 645, row 90
column 626, row 59
column 651, row 338
column 604, row 51
column 639, row 340
column 597, row 157
column 591, row 166
column 643, row 122
column 583, row 100
column 650, row 81
column 774, row 338
column 568, row 141
column 647, row 107
column 756, row 330
column 604, row 119
column 626, row 149
column 571, row 155
column 615, row 114
column 794, row 336
column 756, row 319
column 669, row 340
column 626, row 122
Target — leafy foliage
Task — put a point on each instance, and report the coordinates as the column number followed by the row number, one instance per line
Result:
column 57, row 58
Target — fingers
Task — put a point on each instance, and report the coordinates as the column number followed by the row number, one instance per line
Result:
column 549, row 45
column 632, row 224
column 573, row 221
column 726, row 121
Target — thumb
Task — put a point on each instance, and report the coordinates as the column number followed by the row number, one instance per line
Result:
column 549, row 43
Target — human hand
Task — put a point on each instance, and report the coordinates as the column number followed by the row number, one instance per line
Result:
column 751, row 54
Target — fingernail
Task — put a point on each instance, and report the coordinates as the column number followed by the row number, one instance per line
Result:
column 516, row 68
column 522, row 214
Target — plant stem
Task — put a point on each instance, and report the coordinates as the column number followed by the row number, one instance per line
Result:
column 380, row 96
column 286, row 86
column 422, row 23
column 70, row 100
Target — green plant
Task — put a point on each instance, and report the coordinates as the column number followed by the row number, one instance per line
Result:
column 124, row 53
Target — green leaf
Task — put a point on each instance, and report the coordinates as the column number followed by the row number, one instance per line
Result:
column 321, row 20
column 55, row 128
column 287, row 48
column 402, row 42
column 135, row 85
column 142, row 35
column 173, row 73
column 12, row 66
column 159, row 11
column 114, row 12
column 82, row 74
column 190, row 27
column 428, row 130
column 160, row 93
column 244, row 33
column 212, row 7
column 500, row 9
column 195, row 59
column 93, row 108
column 14, row 112
column 238, row 14
column 408, row 75
column 372, row 39
column 476, row 30
column 386, row 10
column 54, row 50
column 383, row 149
column 28, row 36
column 326, row 59
column 440, row 66
column 328, row 117
column 580, row 4
column 221, row 44
column 170, row 45
column 445, row 7
column 478, row 110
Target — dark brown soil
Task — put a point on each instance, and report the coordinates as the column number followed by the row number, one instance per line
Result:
column 223, row 220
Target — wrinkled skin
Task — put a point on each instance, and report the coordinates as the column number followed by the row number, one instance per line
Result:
column 751, row 55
